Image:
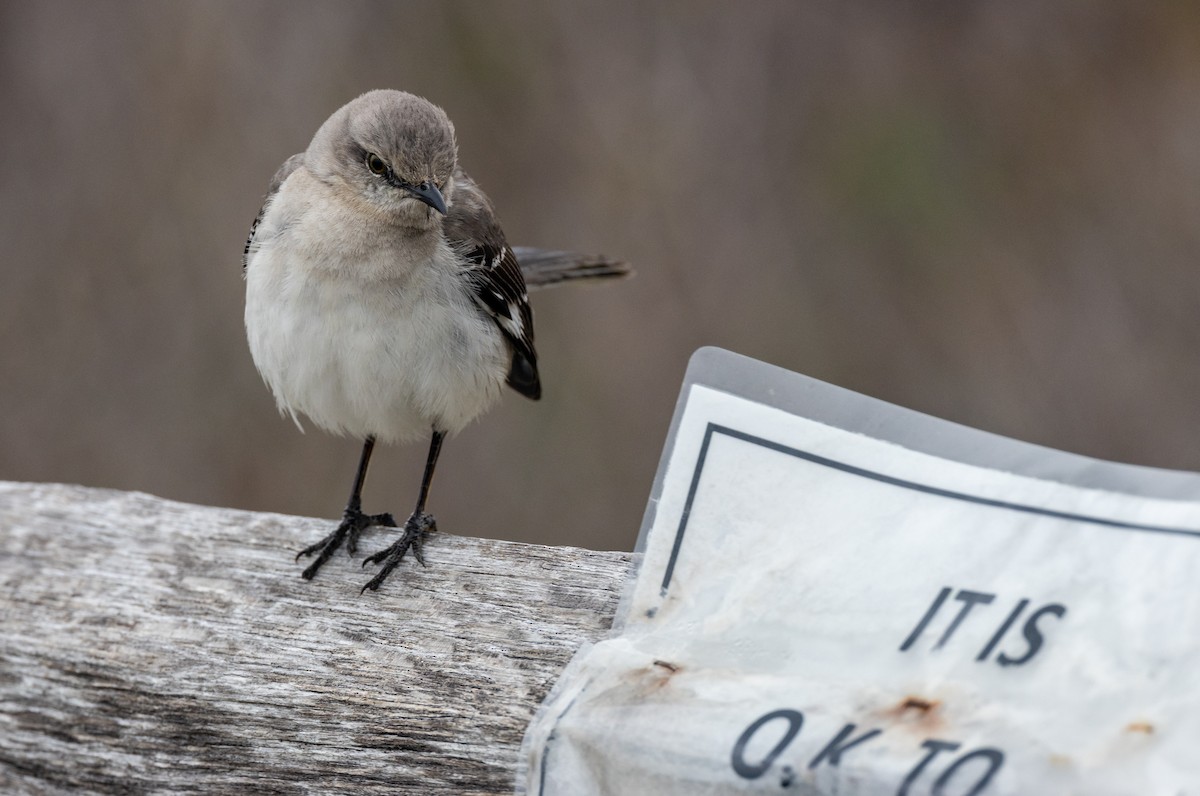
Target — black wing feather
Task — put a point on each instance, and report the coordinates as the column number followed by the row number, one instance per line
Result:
column 495, row 278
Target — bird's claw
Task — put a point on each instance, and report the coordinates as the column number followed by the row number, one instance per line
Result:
column 416, row 529
column 353, row 523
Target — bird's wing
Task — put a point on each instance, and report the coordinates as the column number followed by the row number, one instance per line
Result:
column 289, row 165
column 494, row 277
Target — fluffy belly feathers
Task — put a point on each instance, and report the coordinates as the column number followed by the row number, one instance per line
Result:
column 390, row 359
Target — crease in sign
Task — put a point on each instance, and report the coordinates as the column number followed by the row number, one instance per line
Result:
column 715, row 428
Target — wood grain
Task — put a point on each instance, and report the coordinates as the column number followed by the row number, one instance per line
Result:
column 150, row 646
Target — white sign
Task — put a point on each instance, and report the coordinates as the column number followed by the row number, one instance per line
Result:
column 838, row 596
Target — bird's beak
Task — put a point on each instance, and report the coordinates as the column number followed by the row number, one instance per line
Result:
column 428, row 193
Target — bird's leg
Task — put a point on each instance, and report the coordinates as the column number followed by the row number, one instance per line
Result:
column 353, row 520
column 416, row 528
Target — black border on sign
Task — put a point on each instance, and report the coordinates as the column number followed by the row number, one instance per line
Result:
column 714, row 428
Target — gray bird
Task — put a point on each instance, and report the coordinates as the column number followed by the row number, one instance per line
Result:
column 382, row 299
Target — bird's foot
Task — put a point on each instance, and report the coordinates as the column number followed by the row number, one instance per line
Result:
column 354, row 522
column 417, row 527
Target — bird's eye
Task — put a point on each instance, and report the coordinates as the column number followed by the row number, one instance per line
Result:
column 376, row 164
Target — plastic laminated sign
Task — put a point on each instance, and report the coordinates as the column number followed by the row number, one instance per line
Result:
column 835, row 595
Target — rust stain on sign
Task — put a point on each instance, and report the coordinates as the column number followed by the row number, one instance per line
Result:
column 917, row 712
column 654, row 679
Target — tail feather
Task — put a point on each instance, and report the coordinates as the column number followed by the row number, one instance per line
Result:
column 542, row 267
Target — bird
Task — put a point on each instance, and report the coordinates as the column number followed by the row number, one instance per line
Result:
column 383, row 300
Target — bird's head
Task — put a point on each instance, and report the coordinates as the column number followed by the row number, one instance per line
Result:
column 393, row 150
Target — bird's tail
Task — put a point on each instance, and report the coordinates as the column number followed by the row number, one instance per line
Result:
column 542, row 267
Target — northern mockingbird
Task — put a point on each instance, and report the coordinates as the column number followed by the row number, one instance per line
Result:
column 382, row 299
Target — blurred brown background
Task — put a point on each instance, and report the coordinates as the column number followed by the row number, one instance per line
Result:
column 985, row 211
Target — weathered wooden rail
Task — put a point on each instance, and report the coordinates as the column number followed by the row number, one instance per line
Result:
column 148, row 646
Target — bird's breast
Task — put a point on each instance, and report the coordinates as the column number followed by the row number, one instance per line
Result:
column 369, row 339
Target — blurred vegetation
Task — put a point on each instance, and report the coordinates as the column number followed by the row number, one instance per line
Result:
column 985, row 211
